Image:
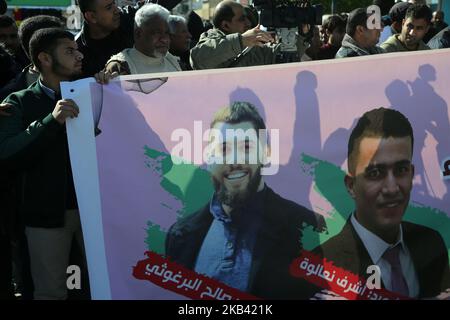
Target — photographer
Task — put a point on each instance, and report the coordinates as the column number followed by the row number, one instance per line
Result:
column 231, row 43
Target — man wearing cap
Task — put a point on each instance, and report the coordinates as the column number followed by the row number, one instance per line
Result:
column 415, row 26
column 397, row 14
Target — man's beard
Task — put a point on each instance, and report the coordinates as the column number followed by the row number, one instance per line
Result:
column 237, row 199
column 64, row 72
column 159, row 54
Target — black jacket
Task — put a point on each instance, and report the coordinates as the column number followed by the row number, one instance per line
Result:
column 428, row 252
column 278, row 244
column 34, row 146
column 16, row 84
column 441, row 40
column 97, row 52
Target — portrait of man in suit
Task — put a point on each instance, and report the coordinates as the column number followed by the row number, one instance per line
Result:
column 247, row 235
column 413, row 259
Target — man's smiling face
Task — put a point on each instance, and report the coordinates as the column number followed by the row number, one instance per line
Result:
column 381, row 182
column 236, row 180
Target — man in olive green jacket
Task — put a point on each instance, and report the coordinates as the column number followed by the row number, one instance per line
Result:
column 415, row 26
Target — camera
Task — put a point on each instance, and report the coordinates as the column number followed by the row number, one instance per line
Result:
column 288, row 13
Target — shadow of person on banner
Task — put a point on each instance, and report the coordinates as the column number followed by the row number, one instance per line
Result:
column 428, row 112
column 134, row 186
column 291, row 169
column 306, row 140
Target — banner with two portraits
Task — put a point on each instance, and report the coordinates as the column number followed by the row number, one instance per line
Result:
column 267, row 182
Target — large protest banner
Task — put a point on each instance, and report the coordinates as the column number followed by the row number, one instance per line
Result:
column 145, row 169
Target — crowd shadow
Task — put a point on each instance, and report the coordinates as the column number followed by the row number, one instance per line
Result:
column 428, row 114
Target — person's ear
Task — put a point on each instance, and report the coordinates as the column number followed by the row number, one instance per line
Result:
column 360, row 29
column 45, row 59
column 349, row 181
column 90, row 17
column 225, row 26
column 396, row 25
column 137, row 33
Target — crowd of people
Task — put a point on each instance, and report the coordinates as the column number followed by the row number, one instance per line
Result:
column 39, row 215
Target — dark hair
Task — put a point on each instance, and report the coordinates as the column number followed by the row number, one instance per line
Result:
column 223, row 12
column 46, row 40
column 440, row 12
column 419, row 11
column 379, row 122
column 195, row 26
column 30, row 25
column 335, row 22
column 3, row 6
column 7, row 65
column 357, row 17
column 237, row 112
column 398, row 11
column 385, row 5
column 6, row 21
column 86, row 5
column 252, row 15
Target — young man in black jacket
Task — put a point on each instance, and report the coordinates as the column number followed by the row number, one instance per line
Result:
column 33, row 144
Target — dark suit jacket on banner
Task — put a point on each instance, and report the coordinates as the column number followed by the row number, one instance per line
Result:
column 278, row 244
column 428, row 253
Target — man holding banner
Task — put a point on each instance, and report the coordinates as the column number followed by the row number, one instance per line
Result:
column 412, row 259
column 247, row 235
column 33, row 144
